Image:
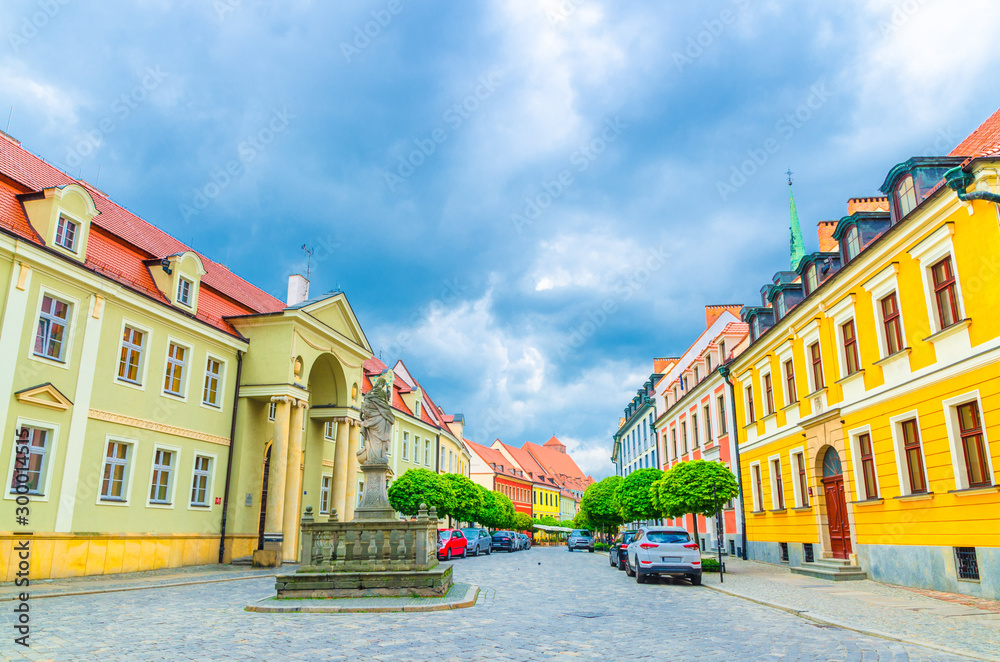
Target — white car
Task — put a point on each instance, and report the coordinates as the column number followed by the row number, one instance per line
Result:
column 663, row 550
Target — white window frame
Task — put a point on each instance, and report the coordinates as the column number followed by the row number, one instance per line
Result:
column 209, row 482
column 854, row 436
column 937, row 246
column 186, row 370
column 143, row 359
column 74, row 307
column 427, row 452
column 880, row 286
column 799, row 498
column 707, row 418
column 221, row 387
column 896, row 429
column 133, row 445
column 172, row 486
column 773, row 480
column 757, row 499
column 181, row 280
column 328, row 489
column 272, row 410
column 416, row 449
column 954, row 431
column 328, row 431
column 77, row 238
column 763, row 393
column 406, row 445
column 51, row 448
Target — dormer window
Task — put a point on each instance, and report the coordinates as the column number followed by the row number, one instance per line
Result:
column 184, row 291
column 779, row 304
column 66, row 233
column 906, row 196
column 722, row 351
column 853, row 244
column 812, row 280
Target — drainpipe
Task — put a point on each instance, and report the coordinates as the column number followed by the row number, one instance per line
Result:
column 229, row 461
column 959, row 181
column 724, row 372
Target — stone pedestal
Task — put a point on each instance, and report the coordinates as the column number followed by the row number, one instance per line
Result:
column 375, row 499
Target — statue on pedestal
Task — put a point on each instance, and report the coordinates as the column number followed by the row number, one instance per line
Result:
column 377, row 420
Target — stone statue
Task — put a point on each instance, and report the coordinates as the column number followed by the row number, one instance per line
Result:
column 376, row 421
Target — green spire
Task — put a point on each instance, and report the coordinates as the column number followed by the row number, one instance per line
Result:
column 796, row 245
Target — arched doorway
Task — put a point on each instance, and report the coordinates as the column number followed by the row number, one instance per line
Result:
column 836, row 505
column 263, row 496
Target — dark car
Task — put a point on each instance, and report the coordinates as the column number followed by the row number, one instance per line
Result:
column 505, row 540
column 580, row 539
column 619, row 547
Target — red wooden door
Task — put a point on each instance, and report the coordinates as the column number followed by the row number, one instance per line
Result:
column 836, row 517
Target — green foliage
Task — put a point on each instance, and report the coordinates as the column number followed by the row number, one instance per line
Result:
column 497, row 511
column 709, row 564
column 633, row 496
column 600, row 546
column 694, row 488
column 417, row 486
column 522, row 522
column 581, row 521
column 548, row 520
column 468, row 497
column 598, row 507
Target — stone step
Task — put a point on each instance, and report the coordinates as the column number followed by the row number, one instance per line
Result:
column 833, row 561
column 837, row 573
column 243, row 560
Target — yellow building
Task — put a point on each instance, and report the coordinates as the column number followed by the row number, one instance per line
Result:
column 869, row 424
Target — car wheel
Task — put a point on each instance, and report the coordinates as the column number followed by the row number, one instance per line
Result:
column 621, row 565
column 640, row 576
column 447, row 555
column 465, row 552
column 695, row 580
column 489, row 551
column 591, row 550
column 612, row 559
column 628, row 567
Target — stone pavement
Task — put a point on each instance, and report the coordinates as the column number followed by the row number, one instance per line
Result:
column 867, row 606
column 541, row 604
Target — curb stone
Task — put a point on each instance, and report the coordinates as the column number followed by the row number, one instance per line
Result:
column 804, row 614
column 148, row 587
column 467, row 600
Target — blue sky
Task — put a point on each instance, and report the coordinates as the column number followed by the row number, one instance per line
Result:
column 525, row 200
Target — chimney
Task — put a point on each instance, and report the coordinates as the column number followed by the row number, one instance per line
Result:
column 298, row 290
column 875, row 203
column 712, row 313
column 825, row 230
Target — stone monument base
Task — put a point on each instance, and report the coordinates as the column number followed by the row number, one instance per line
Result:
column 344, row 584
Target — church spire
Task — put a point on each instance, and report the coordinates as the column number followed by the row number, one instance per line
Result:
column 796, row 245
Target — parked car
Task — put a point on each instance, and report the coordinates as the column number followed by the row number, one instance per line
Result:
column 525, row 541
column 451, row 542
column 506, row 540
column 619, row 549
column 663, row 550
column 477, row 541
column 580, row 539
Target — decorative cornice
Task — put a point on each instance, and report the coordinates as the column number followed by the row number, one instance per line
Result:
column 153, row 426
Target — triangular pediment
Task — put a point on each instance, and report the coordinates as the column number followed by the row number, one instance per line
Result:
column 335, row 312
column 44, row 395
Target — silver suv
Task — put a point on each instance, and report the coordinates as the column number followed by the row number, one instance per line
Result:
column 663, row 550
column 580, row 539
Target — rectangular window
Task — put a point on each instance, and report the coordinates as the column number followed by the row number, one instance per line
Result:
column 416, row 450
column 967, row 564
column 213, row 372
column 427, row 453
column 696, row 374
column 800, row 468
column 758, row 488
column 33, row 465
column 707, row 411
column 52, row 322
column 768, row 394
column 173, row 380
column 159, row 490
column 778, row 498
column 914, row 457
column 115, row 472
column 684, row 436
column 272, row 409
column 406, row 445
column 973, row 446
column 184, row 291
column 945, row 292
column 850, row 338
column 816, row 360
column 324, row 494
column 891, row 324
column 673, row 441
column 694, row 430
column 66, row 231
column 722, row 414
column 751, row 414
column 130, row 361
column 783, row 552
column 792, row 396
column 868, row 466
column 199, row 481
column 328, row 432
column 708, row 363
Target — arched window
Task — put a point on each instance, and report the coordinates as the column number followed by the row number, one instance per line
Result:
column 853, row 242
column 831, row 463
column 906, row 196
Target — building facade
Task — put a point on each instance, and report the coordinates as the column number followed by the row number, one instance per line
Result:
column 495, row 472
column 634, row 444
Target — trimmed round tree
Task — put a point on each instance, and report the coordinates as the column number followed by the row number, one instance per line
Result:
column 417, row 486
column 522, row 522
column 508, row 515
column 694, row 488
column 634, row 496
column 468, row 497
column 598, row 507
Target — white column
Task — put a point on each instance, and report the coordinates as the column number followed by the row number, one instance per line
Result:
column 10, row 335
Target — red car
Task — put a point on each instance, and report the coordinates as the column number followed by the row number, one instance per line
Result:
column 451, row 542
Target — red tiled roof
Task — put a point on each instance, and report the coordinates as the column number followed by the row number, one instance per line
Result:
column 526, row 462
column 554, row 462
column 495, row 459
column 984, row 141
column 120, row 240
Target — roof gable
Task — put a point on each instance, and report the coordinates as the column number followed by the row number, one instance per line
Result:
column 335, row 312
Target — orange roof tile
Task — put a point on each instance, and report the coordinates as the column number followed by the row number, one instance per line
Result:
column 984, row 141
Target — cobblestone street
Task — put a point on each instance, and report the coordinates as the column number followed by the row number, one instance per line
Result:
column 536, row 605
